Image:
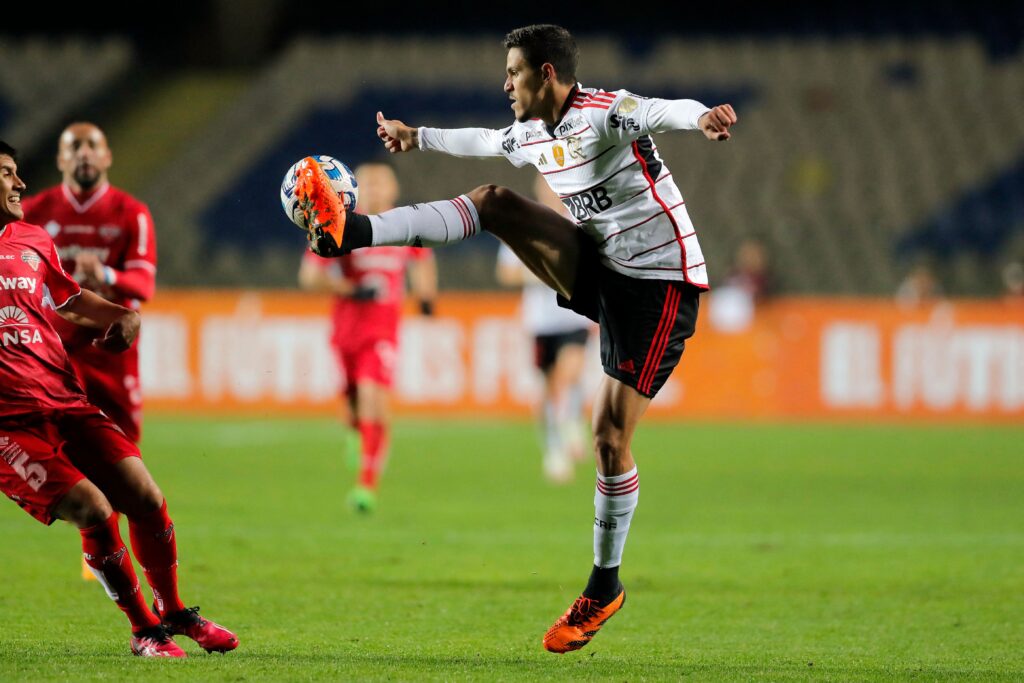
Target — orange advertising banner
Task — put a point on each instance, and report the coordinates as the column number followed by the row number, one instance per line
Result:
column 795, row 358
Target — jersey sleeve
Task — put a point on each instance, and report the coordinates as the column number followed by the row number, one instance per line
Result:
column 632, row 116
column 61, row 287
column 138, row 277
column 462, row 142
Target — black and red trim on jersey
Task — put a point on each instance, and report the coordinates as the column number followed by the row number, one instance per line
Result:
column 644, row 150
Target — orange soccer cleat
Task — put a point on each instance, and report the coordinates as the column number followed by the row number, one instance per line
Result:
column 580, row 623
column 321, row 206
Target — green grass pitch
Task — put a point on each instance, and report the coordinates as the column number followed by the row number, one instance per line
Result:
column 792, row 552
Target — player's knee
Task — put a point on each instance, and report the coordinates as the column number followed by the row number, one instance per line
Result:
column 610, row 445
column 85, row 506
column 491, row 200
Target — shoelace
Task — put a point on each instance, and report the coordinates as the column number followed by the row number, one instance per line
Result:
column 189, row 615
column 581, row 610
column 158, row 634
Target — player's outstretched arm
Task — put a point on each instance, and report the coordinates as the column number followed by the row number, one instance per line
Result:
column 91, row 310
column 716, row 122
column 396, row 136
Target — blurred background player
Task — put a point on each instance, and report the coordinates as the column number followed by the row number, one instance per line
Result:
column 105, row 239
column 60, row 456
column 560, row 341
column 368, row 288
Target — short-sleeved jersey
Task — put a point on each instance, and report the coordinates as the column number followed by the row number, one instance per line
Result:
column 35, row 371
column 540, row 312
column 381, row 269
column 110, row 223
column 602, row 162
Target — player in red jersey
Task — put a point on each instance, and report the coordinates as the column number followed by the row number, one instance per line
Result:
column 63, row 458
column 106, row 241
column 368, row 288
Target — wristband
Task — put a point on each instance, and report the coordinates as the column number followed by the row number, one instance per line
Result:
column 109, row 275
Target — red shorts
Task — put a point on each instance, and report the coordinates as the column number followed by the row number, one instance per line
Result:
column 373, row 361
column 111, row 381
column 42, row 455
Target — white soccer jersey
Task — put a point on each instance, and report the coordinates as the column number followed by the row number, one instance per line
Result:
column 601, row 161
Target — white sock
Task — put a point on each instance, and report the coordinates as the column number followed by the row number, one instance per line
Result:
column 428, row 225
column 551, row 423
column 615, row 500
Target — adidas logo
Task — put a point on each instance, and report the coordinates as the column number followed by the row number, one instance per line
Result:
column 627, row 366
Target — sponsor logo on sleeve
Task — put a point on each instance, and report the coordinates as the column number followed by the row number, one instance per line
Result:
column 628, row 105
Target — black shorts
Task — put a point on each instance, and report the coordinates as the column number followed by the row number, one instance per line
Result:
column 644, row 323
column 547, row 346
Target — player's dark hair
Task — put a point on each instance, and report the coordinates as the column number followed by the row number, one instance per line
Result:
column 547, row 44
column 8, row 150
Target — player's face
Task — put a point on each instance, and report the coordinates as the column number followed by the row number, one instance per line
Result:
column 378, row 188
column 524, row 86
column 83, row 155
column 11, row 188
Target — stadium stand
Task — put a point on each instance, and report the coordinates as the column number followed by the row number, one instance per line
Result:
column 45, row 79
column 855, row 154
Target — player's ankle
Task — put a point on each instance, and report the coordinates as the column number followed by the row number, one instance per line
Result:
column 603, row 585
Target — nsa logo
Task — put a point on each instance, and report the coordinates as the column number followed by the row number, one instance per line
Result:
column 31, row 258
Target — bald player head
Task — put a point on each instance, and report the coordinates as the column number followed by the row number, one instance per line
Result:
column 378, row 187
column 83, row 156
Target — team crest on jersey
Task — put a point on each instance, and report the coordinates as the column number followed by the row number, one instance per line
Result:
column 110, row 232
column 31, row 258
column 52, row 229
column 575, row 147
column 559, row 155
column 628, row 106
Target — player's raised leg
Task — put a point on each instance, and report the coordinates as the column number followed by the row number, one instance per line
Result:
column 543, row 240
column 617, row 411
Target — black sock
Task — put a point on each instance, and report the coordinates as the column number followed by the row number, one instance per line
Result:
column 603, row 585
column 358, row 231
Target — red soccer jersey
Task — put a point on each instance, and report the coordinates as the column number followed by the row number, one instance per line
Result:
column 381, row 269
column 110, row 223
column 35, row 372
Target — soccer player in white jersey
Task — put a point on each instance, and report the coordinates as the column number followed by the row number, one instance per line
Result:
column 559, row 345
column 630, row 261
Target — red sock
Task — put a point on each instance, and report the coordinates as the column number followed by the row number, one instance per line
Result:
column 157, row 551
column 375, row 443
column 108, row 557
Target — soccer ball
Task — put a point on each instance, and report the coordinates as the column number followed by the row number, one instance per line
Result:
column 342, row 180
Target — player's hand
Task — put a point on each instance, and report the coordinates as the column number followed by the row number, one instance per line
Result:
column 88, row 270
column 716, row 123
column 364, row 293
column 397, row 136
column 121, row 334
